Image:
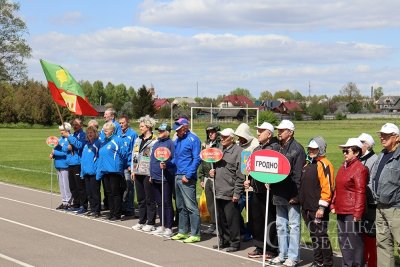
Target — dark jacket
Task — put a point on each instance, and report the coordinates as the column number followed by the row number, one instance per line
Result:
column 228, row 176
column 155, row 170
column 205, row 167
column 258, row 187
column 349, row 196
column 288, row 188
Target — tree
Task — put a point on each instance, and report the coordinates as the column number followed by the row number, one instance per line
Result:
column 378, row 93
column 98, row 94
column 265, row 95
column 242, row 91
column 268, row 116
column 13, row 47
column 350, row 91
column 354, row 106
column 286, row 94
column 143, row 103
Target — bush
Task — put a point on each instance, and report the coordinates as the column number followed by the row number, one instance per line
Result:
column 340, row 116
column 268, row 116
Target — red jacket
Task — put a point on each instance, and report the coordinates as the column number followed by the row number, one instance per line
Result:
column 349, row 196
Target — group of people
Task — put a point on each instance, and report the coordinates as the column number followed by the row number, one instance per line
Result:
column 364, row 194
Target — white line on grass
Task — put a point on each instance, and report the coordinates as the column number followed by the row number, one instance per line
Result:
column 22, row 169
column 81, row 242
column 15, row 261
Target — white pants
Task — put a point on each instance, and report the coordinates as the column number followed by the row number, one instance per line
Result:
column 62, row 175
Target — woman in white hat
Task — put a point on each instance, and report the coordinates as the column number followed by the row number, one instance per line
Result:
column 349, row 203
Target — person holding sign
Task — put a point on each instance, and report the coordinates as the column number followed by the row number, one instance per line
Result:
column 285, row 198
column 140, row 174
column 213, row 140
column 315, row 194
column 228, row 189
column 158, row 176
column 265, row 133
column 59, row 154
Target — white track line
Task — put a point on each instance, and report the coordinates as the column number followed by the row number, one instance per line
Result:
column 27, row 188
column 22, row 169
column 15, row 261
column 81, row 242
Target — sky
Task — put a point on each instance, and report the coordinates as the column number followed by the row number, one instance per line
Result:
column 207, row 48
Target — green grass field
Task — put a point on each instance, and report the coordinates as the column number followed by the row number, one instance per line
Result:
column 24, row 154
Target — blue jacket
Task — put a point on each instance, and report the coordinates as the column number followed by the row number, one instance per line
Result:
column 78, row 141
column 155, row 170
column 187, row 155
column 129, row 138
column 60, row 154
column 89, row 158
column 117, row 131
column 111, row 155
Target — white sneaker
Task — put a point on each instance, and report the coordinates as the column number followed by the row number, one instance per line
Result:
column 138, row 227
column 276, row 261
column 158, row 231
column 168, row 232
column 290, row 263
column 148, row 228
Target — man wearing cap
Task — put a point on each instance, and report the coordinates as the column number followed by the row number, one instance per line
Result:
column 368, row 158
column 285, row 198
column 385, row 183
column 213, row 140
column 128, row 136
column 265, row 133
column 228, row 189
column 187, row 160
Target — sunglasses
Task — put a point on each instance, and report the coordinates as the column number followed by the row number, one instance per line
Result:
column 346, row 151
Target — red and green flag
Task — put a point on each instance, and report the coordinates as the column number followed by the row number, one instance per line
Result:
column 66, row 91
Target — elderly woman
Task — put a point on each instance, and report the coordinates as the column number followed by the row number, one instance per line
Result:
column 88, row 170
column 315, row 195
column 140, row 174
column 110, row 168
column 349, row 203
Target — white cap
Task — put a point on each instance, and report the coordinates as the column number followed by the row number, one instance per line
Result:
column 266, row 126
column 66, row 127
column 313, row 144
column 352, row 142
column 367, row 138
column 285, row 124
column 389, row 128
column 227, row 132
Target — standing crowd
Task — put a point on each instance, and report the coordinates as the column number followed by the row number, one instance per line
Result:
column 364, row 194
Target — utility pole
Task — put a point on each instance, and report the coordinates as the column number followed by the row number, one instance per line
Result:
column 309, row 89
column 197, row 93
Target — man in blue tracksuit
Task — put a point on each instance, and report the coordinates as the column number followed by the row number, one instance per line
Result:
column 128, row 136
column 187, row 160
column 77, row 185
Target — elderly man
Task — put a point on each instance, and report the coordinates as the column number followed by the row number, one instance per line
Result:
column 187, row 160
column 228, row 189
column 109, row 115
column 265, row 133
column 285, row 198
column 384, row 182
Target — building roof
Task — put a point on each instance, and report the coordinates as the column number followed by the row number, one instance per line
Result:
column 387, row 100
column 180, row 100
column 238, row 100
column 292, row 106
column 160, row 102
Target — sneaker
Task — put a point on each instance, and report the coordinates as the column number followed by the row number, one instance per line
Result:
column 61, row 207
column 81, row 210
column 256, row 253
column 73, row 209
column 158, row 231
column 276, row 261
column 290, row 263
column 148, row 228
column 179, row 236
column 210, row 230
column 192, row 239
column 167, row 232
column 138, row 226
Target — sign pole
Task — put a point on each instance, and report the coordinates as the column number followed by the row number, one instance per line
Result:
column 51, row 183
column 266, row 225
column 247, row 201
column 162, row 201
column 215, row 207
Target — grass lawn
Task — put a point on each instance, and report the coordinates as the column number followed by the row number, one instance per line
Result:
column 24, row 153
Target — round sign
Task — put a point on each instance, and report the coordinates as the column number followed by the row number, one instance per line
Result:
column 52, row 141
column 162, row 153
column 211, row 154
column 268, row 166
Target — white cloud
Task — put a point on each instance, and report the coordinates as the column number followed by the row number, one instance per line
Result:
column 269, row 14
column 68, row 18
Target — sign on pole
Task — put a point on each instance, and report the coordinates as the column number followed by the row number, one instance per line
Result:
column 211, row 154
column 52, row 141
column 162, row 153
column 243, row 161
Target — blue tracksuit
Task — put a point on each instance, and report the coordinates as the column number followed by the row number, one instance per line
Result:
column 129, row 138
column 78, row 141
column 111, row 157
column 89, row 158
column 187, row 155
column 60, row 154
column 155, row 170
column 117, row 131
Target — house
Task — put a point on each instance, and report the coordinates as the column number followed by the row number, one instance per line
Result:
column 205, row 113
column 160, row 103
column 181, row 100
column 388, row 104
column 231, row 114
column 100, row 109
column 270, row 104
column 236, row 101
column 288, row 107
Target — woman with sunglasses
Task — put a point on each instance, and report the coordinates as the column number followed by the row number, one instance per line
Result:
column 349, row 201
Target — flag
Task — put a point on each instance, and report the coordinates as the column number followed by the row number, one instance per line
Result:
column 66, row 91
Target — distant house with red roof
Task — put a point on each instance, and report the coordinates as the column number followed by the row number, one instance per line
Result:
column 161, row 102
column 288, row 107
column 232, row 101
